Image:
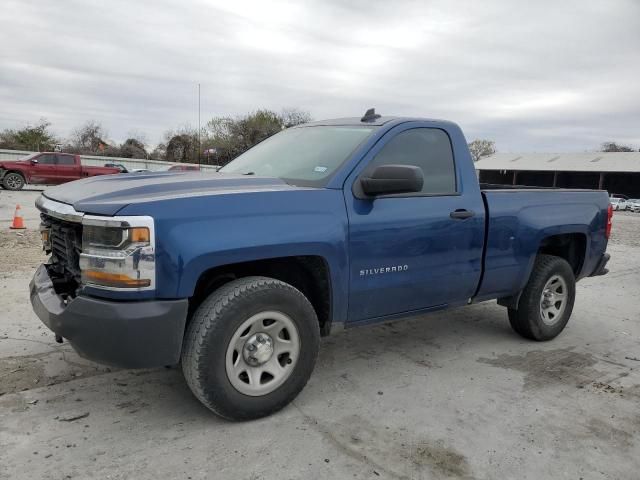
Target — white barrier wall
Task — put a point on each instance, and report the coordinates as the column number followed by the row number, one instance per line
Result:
column 97, row 161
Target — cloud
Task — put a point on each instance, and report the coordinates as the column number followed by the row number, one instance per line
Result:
column 533, row 76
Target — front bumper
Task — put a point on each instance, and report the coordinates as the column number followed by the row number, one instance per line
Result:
column 142, row 334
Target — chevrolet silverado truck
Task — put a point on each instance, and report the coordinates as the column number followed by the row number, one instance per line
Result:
column 47, row 168
column 329, row 225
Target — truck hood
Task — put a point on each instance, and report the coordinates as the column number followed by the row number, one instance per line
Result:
column 105, row 195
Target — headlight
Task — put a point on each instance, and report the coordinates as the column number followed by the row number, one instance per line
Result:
column 118, row 253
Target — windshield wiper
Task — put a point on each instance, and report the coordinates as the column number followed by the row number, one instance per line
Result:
column 249, row 173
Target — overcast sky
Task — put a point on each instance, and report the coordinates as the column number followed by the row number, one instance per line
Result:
column 533, row 76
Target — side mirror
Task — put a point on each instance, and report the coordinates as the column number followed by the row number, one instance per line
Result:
column 389, row 179
column 34, row 161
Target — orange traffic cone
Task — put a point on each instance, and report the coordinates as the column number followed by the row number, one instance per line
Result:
column 18, row 221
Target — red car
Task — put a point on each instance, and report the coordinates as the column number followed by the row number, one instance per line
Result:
column 47, row 168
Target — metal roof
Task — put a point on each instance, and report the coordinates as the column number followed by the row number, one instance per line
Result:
column 563, row 162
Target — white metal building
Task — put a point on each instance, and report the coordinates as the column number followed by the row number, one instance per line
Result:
column 617, row 172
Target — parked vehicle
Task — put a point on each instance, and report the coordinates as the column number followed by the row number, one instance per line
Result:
column 183, row 168
column 619, row 195
column 119, row 166
column 618, row 203
column 321, row 227
column 633, row 204
column 46, row 168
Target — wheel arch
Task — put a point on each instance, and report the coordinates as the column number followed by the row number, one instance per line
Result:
column 571, row 247
column 19, row 172
column 308, row 273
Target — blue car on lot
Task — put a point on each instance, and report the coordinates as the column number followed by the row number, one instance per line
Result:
column 328, row 225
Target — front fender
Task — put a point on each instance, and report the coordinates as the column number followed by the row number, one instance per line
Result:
column 197, row 234
column 25, row 173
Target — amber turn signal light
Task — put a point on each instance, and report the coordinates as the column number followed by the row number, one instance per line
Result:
column 139, row 235
column 114, row 279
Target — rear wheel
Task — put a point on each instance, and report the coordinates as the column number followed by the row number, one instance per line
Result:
column 547, row 300
column 251, row 347
column 13, row 181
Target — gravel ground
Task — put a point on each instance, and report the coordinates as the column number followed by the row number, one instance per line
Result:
column 452, row 395
column 626, row 229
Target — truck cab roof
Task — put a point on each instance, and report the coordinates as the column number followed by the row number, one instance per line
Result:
column 382, row 120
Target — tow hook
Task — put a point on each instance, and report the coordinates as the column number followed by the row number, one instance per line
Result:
column 59, row 339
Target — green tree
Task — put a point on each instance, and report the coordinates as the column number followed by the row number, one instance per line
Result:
column 36, row 137
column 232, row 136
column 181, row 146
column 133, row 148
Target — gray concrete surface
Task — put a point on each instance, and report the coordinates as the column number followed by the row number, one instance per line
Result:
column 452, row 395
column 24, row 198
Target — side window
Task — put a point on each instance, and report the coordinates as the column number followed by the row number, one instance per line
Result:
column 66, row 160
column 427, row 148
column 47, row 159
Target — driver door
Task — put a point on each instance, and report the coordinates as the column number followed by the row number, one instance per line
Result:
column 411, row 252
column 44, row 172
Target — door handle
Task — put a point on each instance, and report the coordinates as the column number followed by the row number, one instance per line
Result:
column 461, row 214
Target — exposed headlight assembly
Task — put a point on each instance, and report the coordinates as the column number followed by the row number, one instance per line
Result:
column 118, row 253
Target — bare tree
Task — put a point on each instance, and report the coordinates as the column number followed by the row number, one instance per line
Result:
column 615, row 147
column 481, row 148
column 290, row 117
column 159, row 153
column 89, row 139
column 138, row 136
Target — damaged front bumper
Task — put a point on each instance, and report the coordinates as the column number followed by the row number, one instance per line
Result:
column 128, row 334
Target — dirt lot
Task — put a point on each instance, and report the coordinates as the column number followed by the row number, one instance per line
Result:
column 451, row 395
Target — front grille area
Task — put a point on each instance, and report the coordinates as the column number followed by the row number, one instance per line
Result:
column 65, row 242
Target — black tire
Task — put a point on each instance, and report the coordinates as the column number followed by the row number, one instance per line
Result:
column 13, row 181
column 527, row 320
column 210, row 332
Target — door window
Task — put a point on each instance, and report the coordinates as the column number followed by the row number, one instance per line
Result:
column 47, row 159
column 426, row 148
column 66, row 160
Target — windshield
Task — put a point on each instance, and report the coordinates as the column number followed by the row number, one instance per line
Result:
column 306, row 156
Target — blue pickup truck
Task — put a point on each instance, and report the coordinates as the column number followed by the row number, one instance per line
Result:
column 325, row 226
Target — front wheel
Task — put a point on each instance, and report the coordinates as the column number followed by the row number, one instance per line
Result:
column 251, row 347
column 547, row 300
column 13, row 181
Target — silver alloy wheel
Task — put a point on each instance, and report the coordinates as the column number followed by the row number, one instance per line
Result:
column 13, row 181
column 262, row 353
column 553, row 300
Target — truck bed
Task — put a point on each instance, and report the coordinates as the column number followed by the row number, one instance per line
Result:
column 518, row 218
